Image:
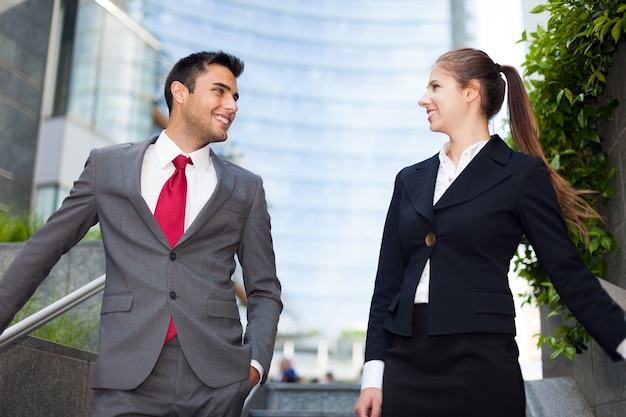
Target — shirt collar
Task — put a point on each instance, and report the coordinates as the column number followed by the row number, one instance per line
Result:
column 468, row 153
column 167, row 150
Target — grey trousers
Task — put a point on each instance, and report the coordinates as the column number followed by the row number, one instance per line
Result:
column 172, row 390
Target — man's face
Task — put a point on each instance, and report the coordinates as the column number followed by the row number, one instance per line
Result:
column 209, row 111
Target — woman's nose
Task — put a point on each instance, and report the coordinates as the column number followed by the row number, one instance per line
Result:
column 423, row 101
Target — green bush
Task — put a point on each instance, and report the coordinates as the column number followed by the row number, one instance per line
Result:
column 78, row 327
column 16, row 228
column 567, row 65
column 19, row 228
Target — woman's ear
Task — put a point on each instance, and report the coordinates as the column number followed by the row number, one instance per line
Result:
column 472, row 91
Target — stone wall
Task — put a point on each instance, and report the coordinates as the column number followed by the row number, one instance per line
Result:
column 40, row 378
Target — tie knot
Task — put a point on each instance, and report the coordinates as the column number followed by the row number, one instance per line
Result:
column 181, row 161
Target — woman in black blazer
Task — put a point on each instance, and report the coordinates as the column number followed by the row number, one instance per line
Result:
column 440, row 340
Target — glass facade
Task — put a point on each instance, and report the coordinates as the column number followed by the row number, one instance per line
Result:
column 24, row 28
column 113, row 76
column 328, row 115
column 104, row 94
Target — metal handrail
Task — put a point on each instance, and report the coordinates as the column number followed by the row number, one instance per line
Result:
column 54, row 310
column 617, row 293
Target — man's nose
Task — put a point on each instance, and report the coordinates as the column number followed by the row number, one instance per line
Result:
column 230, row 103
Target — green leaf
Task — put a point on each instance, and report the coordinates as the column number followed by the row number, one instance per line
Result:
column 616, row 31
column 539, row 9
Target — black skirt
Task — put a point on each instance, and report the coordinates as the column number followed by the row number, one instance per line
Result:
column 461, row 375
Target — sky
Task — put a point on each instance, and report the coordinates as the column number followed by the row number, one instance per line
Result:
column 499, row 27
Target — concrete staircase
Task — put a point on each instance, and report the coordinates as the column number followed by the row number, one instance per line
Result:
column 551, row 397
column 303, row 400
column 41, row 378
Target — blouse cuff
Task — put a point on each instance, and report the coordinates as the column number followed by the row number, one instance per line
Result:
column 373, row 374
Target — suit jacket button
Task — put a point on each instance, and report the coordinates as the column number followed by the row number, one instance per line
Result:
column 430, row 239
column 172, row 256
column 172, row 295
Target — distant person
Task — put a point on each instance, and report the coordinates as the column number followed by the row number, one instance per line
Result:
column 440, row 339
column 287, row 372
column 329, row 378
column 173, row 218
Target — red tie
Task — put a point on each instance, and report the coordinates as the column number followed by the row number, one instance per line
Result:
column 170, row 212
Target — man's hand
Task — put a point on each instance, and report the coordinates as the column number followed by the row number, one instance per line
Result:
column 255, row 377
column 369, row 403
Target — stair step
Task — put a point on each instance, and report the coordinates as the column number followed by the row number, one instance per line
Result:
column 312, row 397
column 293, row 413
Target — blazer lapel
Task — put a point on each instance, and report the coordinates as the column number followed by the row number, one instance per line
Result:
column 486, row 170
column 419, row 183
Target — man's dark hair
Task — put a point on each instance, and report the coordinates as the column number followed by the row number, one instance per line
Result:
column 188, row 69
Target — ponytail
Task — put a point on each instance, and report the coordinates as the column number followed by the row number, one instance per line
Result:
column 525, row 134
column 468, row 64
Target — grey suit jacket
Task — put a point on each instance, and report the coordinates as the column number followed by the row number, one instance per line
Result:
column 147, row 281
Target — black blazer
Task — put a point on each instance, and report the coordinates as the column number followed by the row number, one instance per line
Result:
column 470, row 236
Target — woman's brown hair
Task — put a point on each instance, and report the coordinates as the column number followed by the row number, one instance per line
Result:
column 467, row 64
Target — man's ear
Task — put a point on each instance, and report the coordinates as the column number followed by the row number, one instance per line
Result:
column 179, row 91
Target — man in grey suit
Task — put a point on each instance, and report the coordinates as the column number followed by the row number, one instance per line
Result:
column 157, row 285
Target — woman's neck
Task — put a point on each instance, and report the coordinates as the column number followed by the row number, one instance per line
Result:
column 460, row 142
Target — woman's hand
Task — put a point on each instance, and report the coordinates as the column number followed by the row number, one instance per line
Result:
column 369, row 403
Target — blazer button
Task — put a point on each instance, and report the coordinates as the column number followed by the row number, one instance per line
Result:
column 172, row 295
column 430, row 239
column 172, row 256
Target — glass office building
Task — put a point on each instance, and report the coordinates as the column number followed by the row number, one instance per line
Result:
column 24, row 28
column 100, row 92
column 328, row 115
column 75, row 74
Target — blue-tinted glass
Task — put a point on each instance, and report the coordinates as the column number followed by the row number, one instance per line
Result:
column 113, row 76
column 328, row 115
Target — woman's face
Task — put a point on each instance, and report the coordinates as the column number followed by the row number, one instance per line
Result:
column 445, row 102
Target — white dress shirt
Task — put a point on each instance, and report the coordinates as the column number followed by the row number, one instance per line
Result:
column 158, row 167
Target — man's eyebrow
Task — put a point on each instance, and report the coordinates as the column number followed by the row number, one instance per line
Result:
column 226, row 87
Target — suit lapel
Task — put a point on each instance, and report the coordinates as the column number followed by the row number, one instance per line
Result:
column 486, row 170
column 419, row 183
column 224, row 188
column 132, row 163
